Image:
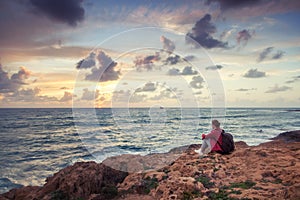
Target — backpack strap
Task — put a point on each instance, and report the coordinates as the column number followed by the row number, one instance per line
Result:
column 219, row 142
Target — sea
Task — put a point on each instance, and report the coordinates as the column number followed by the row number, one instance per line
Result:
column 37, row 142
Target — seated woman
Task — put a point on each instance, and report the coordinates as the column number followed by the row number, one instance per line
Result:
column 210, row 140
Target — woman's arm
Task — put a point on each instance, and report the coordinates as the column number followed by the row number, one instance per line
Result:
column 212, row 135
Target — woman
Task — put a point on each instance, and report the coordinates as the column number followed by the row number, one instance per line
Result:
column 210, row 140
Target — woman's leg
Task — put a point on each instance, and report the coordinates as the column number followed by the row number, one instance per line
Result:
column 205, row 147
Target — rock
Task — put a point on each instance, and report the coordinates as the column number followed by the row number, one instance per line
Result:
column 267, row 171
column 290, row 136
column 22, row 193
column 74, row 182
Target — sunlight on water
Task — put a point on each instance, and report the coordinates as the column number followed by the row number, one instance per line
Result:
column 35, row 143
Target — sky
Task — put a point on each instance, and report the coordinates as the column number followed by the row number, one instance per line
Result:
column 142, row 53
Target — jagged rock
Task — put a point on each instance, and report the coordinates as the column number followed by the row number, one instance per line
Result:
column 290, row 136
column 267, row 171
column 74, row 182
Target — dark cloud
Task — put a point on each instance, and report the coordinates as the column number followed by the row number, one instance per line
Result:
column 197, row 82
column 14, row 82
column 244, row 36
column 245, row 89
column 68, row 96
column 202, row 33
column 230, row 4
column 254, row 73
column 188, row 70
column 28, row 95
column 263, row 55
column 277, row 88
column 148, row 87
column 214, row 67
column 189, row 58
column 11, row 88
column 87, row 62
column 172, row 60
column 294, row 79
column 278, row 55
column 168, row 45
column 90, row 95
column 66, row 11
column 105, row 71
column 146, row 62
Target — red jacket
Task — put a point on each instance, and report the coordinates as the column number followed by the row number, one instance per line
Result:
column 215, row 135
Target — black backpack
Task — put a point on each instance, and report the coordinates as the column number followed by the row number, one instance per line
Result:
column 227, row 143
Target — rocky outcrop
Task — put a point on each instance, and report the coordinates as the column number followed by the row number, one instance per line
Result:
column 83, row 180
column 267, row 171
column 260, row 172
column 290, row 136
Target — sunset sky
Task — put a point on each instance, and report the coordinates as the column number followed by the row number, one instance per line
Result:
column 139, row 53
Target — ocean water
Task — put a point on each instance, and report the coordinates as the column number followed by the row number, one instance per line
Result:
column 35, row 143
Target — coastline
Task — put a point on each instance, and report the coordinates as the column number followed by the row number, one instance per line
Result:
column 267, row 171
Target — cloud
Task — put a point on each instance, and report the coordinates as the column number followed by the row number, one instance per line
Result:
column 90, row 95
column 230, row 4
column 28, row 95
column 188, row 70
column 135, row 98
column 244, row 9
column 197, row 82
column 244, row 36
column 105, row 71
column 168, row 45
column 294, row 79
column 174, row 72
column 66, row 11
column 277, row 88
column 278, row 55
column 172, row 60
column 15, row 81
column 264, row 54
column 189, row 58
column 146, row 62
column 202, row 33
column 121, row 95
column 214, row 67
column 164, row 94
column 87, row 62
column 227, row 33
column 254, row 73
column 245, row 89
column 148, row 87
column 68, row 96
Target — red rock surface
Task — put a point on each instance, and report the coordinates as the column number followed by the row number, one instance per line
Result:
column 267, row 171
column 79, row 181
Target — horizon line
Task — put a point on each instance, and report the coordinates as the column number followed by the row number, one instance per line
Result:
column 142, row 107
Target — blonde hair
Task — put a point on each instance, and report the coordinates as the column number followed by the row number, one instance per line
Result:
column 216, row 123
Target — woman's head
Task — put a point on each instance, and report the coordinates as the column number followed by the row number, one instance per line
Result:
column 215, row 124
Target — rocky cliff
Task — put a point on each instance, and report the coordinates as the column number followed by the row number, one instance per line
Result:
column 267, row 171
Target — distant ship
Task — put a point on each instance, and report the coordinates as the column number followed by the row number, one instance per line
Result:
column 161, row 107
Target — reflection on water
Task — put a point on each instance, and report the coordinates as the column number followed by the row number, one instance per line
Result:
column 37, row 142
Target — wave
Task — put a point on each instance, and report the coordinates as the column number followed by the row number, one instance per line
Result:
column 6, row 184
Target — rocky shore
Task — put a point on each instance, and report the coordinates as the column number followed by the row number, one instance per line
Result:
column 268, row 171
